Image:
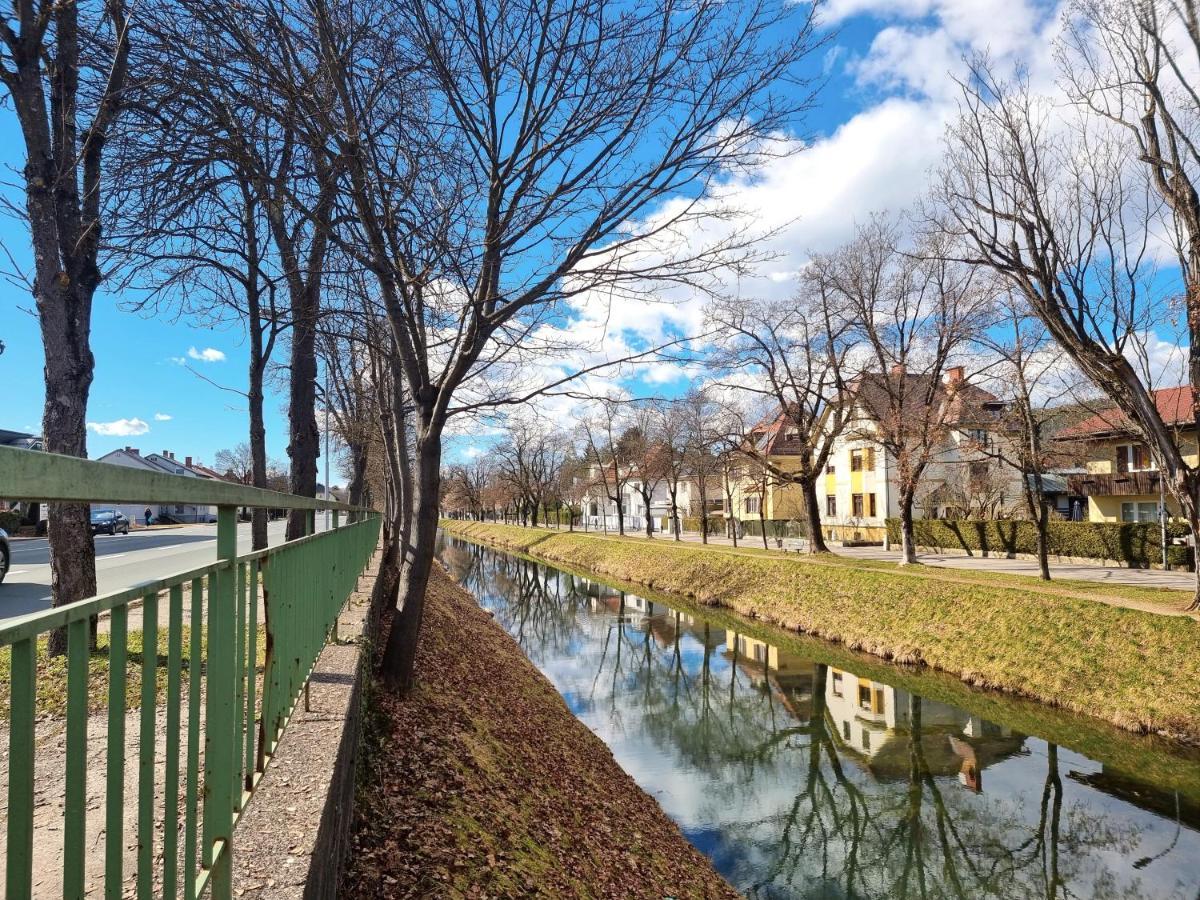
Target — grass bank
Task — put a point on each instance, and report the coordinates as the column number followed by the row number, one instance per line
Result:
column 482, row 783
column 1132, row 668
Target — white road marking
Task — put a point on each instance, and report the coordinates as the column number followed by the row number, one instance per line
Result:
column 17, row 571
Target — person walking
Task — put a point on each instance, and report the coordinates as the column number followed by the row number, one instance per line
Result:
column 147, row 517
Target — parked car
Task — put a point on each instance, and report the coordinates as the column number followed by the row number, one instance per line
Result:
column 5, row 554
column 109, row 521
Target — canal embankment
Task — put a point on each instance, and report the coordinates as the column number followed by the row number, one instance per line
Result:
column 482, row 782
column 1128, row 666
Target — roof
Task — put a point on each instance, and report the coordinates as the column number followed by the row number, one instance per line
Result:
column 771, row 438
column 965, row 401
column 1174, row 405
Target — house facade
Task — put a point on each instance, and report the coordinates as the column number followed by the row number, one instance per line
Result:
column 859, row 490
column 599, row 511
column 166, row 462
column 1121, row 482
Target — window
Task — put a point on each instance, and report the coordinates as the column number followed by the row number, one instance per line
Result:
column 846, row 729
column 831, row 505
column 837, row 684
column 593, row 512
column 864, row 697
column 829, row 469
column 753, row 504
column 866, row 741
column 856, row 460
column 871, row 505
column 1133, row 458
column 1139, row 512
column 760, row 653
column 869, row 460
column 856, row 505
column 979, row 437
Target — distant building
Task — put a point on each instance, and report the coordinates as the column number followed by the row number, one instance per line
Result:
column 165, row 461
column 1122, row 482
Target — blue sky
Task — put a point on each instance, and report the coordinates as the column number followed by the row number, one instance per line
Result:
column 875, row 134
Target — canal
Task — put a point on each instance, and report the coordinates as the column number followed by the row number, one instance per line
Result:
column 803, row 770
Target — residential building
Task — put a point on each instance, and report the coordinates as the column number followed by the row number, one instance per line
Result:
column 158, row 462
column 1121, row 483
column 859, row 491
column 756, row 493
column 600, row 511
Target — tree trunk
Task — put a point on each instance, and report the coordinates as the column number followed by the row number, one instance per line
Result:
column 65, row 318
column 258, row 444
column 399, row 658
column 703, row 510
column 304, row 446
column 762, row 518
column 649, row 518
column 812, row 513
column 908, row 550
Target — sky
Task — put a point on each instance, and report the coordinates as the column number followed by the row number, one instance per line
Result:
column 871, row 143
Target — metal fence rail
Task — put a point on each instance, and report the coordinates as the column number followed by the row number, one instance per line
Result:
column 219, row 718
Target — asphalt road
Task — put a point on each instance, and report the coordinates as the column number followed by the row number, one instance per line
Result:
column 121, row 561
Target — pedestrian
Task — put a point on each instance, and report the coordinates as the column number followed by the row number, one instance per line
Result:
column 147, row 517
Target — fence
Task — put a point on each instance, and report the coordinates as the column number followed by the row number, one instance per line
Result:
column 222, row 717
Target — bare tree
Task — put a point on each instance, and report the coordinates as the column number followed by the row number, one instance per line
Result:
column 609, row 470
column 563, row 127
column 701, row 442
column 1065, row 218
column 911, row 312
column 794, row 354
column 67, row 107
column 641, row 447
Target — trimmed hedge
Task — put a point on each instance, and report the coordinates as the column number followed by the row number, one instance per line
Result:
column 1135, row 544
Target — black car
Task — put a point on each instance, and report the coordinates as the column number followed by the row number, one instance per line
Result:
column 109, row 521
column 5, row 554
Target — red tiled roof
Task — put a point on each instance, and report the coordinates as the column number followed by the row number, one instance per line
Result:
column 1174, row 405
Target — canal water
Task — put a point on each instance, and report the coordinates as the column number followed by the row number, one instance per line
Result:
column 802, row 770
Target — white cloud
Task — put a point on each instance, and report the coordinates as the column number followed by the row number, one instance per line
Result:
column 119, row 427
column 178, row 360
column 208, row 354
column 162, row 417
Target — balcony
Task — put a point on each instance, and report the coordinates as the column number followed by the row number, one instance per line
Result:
column 1113, row 485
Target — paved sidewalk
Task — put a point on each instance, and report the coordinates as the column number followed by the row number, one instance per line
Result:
column 1147, row 578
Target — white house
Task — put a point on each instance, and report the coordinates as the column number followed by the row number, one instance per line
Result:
column 132, row 458
column 600, row 512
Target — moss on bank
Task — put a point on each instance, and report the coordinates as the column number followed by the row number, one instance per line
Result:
column 1134, row 669
column 482, row 783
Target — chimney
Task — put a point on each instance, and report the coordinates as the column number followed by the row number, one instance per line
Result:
column 133, row 450
column 187, row 461
column 954, row 374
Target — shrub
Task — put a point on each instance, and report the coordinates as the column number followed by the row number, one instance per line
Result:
column 10, row 521
column 787, row 528
column 1133, row 543
column 716, row 524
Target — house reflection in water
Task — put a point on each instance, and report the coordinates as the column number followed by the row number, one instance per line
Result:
column 876, row 724
column 789, row 677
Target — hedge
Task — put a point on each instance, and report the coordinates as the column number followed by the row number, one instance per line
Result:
column 10, row 521
column 716, row 524
column 1133, row 543
column 787, row 528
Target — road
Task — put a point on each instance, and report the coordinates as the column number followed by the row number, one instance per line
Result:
column 121, row 561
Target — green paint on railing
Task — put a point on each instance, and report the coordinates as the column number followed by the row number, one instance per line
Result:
column 304, row 584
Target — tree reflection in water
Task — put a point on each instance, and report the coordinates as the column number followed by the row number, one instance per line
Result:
column 801, row 779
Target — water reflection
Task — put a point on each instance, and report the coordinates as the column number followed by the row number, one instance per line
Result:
column 800, row 779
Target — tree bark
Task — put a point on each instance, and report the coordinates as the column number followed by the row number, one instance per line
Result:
column 908, row 550
column 400, row 654
column 812, row 515
column 304, row 446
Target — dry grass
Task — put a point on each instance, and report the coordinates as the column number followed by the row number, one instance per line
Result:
column 1132, row 668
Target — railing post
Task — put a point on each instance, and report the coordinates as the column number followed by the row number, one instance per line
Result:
column 219, row 784
column 310, row 521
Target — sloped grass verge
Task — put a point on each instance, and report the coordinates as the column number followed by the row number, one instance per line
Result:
column 1134, row 669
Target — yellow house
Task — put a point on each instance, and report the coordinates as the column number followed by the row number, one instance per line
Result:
column 754, row 488
column 1122, row 483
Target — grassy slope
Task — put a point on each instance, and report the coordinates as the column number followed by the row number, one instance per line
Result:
column 1134, row 669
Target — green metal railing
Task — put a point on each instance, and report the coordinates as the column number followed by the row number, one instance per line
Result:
column 222, row 716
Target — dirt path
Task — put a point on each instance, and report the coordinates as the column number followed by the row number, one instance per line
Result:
column 482, row 783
